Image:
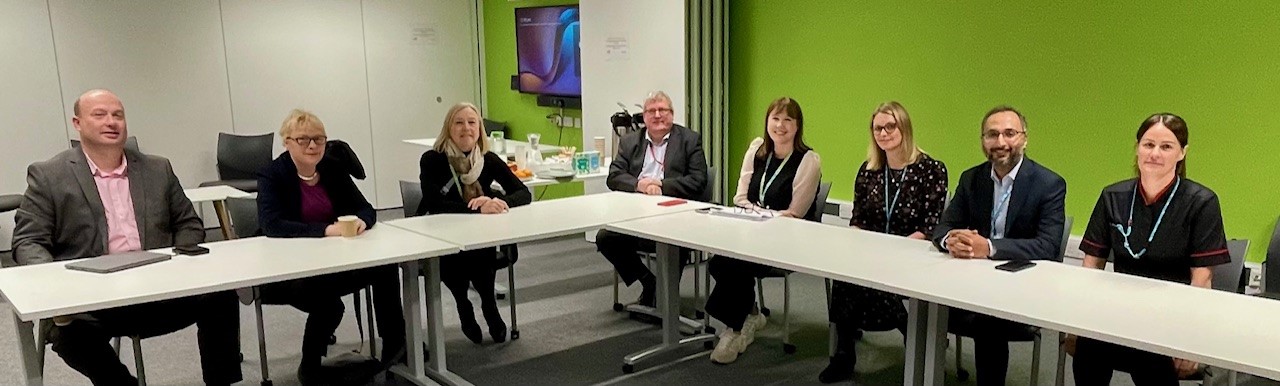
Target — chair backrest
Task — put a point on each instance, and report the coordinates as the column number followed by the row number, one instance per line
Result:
column 244, row 216
column 130, row 143
column 819, row 201
column 1271, row 267
column 1066, row 236
column 495, row 126
column 1230, row 276
column 241, row 156
column 411, row 195
column 709, row 192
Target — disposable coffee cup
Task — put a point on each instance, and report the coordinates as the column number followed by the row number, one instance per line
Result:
column 348, row 225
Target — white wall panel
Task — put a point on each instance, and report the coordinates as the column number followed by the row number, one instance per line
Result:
column 165, row 60
column 422, row 59
column 283, row 55
column 32, row 121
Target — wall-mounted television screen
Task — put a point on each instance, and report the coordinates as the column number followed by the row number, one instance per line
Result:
column 547, row 50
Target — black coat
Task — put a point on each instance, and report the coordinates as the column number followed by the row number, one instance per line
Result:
column 280, row 198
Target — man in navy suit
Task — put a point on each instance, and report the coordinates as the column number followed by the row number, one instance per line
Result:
column 1008, row 208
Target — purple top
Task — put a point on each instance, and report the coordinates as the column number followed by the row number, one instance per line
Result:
column 316, row 207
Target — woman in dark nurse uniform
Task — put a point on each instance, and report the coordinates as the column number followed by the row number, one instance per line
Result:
column 1160, row 225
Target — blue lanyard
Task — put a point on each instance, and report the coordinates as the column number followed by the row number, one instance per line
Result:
column 889, row 207
column 1127, row 229
column 996, row 209
column 765, row 186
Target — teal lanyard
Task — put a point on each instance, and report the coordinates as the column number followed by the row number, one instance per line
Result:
column 457, row 183
column 889, row 207
column 1127, row 229
column 1004, row 199
column 764, row 186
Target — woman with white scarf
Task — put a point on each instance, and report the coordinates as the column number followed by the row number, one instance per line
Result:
column 457, row 175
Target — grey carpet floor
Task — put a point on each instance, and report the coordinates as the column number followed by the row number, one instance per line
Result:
column 570, row 336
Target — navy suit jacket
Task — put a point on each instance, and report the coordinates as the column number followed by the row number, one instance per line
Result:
column 280, row 198
column 1035, row 216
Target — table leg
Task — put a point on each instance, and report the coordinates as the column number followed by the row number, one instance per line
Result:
column 433, row 369
column 224, row 220
column 917, row 327
column 27, row 348
column 935, row 345
column 669, row 307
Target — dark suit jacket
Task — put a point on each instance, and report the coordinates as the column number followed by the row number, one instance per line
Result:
column 280, row 198
column 62, row 218
column 685, row 171
column 1035, row 216
column 441, row 194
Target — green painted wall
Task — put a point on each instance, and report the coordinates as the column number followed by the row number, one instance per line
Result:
column 520, row 111
column 1085, row 74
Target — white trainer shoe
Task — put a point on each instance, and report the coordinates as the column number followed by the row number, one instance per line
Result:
column 726, row 350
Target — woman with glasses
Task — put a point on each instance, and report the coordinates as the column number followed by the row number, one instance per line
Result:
column 457, row 176
column 780, row 174
column 1159, row 225
column 302, row 194
column 899, row 190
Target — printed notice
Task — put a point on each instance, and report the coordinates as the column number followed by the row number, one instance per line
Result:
column 423, row 36
column 617, row 49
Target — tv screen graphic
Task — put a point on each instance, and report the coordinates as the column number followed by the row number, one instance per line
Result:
column 547, row 50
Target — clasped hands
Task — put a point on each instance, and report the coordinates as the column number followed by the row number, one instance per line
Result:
column 488, row 205
column 967, row 244
column 650, row 186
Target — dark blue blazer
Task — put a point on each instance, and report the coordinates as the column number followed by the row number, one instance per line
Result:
column 1035, row 217
column 280, row 198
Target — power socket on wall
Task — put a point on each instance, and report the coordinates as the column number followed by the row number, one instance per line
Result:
column 563, row 121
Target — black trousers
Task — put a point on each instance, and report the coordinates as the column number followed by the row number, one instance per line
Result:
column 622, row 250
column 734, row 294
column 321, row 298
column 475, row 268
column 84, row 345
column 1095, row 361
column 991, row 337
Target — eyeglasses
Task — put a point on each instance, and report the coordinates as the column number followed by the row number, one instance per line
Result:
column 307, row 141
column 887, row 129
column 657, row 111
column 991, row 135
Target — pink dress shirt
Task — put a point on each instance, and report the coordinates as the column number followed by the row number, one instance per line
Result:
column 113, row 188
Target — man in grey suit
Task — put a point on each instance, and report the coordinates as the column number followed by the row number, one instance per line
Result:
column 102, row 199
column 664, row 159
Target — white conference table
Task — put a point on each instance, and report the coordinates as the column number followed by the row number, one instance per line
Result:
column 229, row 265
column 509, row 146
column 546, row 219
column 218, row 195
column 865, row 258
column 1206, row 326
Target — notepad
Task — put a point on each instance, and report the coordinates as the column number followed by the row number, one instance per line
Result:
column 118, row 262
column 741, row 214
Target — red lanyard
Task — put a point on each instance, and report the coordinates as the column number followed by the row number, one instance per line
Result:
column 662, row 165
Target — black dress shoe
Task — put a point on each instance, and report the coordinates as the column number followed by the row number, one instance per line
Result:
column 648, row 296
column 472, row 331
column 839, row 369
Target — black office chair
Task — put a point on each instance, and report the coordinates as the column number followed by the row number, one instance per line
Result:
column 411, row 197
column 1271, row 267
column 244, row 220
column 239, row 159
column 1025, row 333
column 815, row 215
column 130, row 143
